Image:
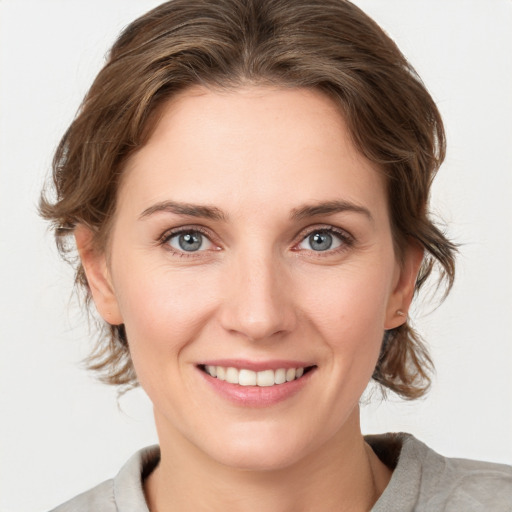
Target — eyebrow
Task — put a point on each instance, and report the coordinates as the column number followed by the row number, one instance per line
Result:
column 329, row 208
column 191, row 210
column 214, row 213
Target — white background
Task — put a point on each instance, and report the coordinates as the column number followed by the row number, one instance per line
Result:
column 60, row 431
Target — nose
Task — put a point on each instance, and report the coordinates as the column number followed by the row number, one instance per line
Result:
column 258, row 301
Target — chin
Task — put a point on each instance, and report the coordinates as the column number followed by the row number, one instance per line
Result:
column 270, row 452
column 258, row 460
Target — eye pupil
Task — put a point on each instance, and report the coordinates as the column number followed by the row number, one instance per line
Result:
column 320, row 241
column 190, row 241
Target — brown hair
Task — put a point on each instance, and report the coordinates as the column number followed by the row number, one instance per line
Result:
column 329, row 45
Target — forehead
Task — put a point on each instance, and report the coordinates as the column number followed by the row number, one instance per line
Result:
column 250, row 145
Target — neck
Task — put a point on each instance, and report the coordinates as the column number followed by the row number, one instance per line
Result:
column 343, row 475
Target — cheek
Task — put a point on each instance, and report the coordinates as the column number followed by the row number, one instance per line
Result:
column 163, row 310
column 348, row 307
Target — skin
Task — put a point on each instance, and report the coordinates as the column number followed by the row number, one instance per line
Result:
column 256, row 290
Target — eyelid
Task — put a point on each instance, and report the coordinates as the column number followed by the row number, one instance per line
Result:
column 347, row 238
column 164, row 238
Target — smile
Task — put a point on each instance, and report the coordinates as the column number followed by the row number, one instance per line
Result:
column 256, row 383
column 245, row 377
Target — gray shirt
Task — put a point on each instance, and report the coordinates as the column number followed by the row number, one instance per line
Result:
column 422, row 481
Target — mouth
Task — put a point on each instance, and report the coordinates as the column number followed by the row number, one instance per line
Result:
column 263, row 378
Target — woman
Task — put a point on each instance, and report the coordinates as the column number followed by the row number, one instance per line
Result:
column 247, row 184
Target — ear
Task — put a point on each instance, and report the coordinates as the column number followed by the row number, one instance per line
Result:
column 98, row 275
column 404, row 285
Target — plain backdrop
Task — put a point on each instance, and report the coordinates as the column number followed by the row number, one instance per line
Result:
column 60, row 431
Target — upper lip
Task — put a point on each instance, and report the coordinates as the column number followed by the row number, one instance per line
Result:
column 256, row 366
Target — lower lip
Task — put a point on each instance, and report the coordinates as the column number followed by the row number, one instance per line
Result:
column 257, row 396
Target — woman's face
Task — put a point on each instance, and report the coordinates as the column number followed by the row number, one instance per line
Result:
column 251, row 235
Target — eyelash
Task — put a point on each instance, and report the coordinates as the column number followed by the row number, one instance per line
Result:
column 347, row 240
column 167, row 235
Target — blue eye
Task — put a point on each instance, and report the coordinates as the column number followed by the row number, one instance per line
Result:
column 189, row 241
column 321, row 240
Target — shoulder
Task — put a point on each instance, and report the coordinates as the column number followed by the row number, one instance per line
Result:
column 427, row 481
column 100, row 498
column 462, row 484
column 124, row 493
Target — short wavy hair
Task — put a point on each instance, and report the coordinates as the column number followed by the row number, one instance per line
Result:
column 326, row 45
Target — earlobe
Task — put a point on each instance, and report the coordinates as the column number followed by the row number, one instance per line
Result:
column 98, row 275
column 403, row 292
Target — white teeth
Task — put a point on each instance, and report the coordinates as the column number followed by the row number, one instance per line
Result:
column 265, row 378
column 246, row 377
column 212, row 370
column 290, row 374
column 232, row 375
column 280, row 376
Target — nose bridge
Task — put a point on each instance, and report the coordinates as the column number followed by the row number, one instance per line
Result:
column 257, row 304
